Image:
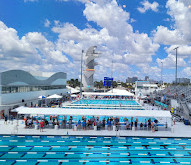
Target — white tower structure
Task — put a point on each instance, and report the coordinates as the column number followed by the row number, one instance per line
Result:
column 88, row 73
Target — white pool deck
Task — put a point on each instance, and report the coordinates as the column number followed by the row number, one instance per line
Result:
column 180, row 130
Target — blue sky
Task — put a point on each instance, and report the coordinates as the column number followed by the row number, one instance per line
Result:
column 137, row 35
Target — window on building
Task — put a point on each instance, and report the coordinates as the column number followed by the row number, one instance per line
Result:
column 20, row 89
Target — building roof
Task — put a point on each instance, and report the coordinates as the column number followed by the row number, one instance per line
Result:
column 16, row 77
column 150, row 85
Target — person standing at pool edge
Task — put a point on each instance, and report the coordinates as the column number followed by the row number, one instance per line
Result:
column 41, row 126
column 5, row 119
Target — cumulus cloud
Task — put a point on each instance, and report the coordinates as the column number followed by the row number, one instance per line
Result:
column 148, row 6
column 178, row 35
column 31, row 51
column 115, row 40
column 183, row 50
column 170, row 61
column 180, row 13
column 165, row 36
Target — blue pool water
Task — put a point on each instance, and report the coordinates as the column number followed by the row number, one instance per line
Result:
column 33, row 150
column 111, row 102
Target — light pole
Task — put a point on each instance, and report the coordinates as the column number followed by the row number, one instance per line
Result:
column 161, row 73
column 81, row 73
column 112, row 75
column 176, row 64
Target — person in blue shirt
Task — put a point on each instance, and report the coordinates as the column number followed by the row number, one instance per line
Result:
column 83, row 125
column 79, row 125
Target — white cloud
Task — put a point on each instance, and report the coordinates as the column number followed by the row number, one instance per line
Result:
column 109, row 16
column 148, row 6
column 180, row 34
column 118, row 43
column 170, row 62
column 47, row 23
column 181, row 14
column 187, row 71
column 132, row 20
column 32, row 51
column 165, row 36
column 183, row 50
column 115, row 39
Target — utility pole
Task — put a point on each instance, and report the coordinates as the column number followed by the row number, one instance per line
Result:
column 81, row 73
column 176, row 64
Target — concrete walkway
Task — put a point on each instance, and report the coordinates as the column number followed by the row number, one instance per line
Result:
column 180, row 130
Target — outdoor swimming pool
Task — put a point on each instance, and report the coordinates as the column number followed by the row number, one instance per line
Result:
column 33, row 150
column 108, row 102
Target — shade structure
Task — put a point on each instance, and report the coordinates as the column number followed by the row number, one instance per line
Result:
column 73, row 95
column 114, row 92
column 94, row 112
column 42, row 97
column 55, row 96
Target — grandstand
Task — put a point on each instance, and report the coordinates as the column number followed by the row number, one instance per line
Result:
column 179, row 98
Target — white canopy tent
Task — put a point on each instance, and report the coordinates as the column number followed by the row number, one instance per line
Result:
column 73, row 90
column 55, row 96
column 120, row 92
column 94, row 112
column 73, row 95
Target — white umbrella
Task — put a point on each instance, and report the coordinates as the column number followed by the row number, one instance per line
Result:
column 55, row 96
column 73, row 95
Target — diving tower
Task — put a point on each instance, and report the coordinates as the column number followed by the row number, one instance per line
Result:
column 88, row 73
